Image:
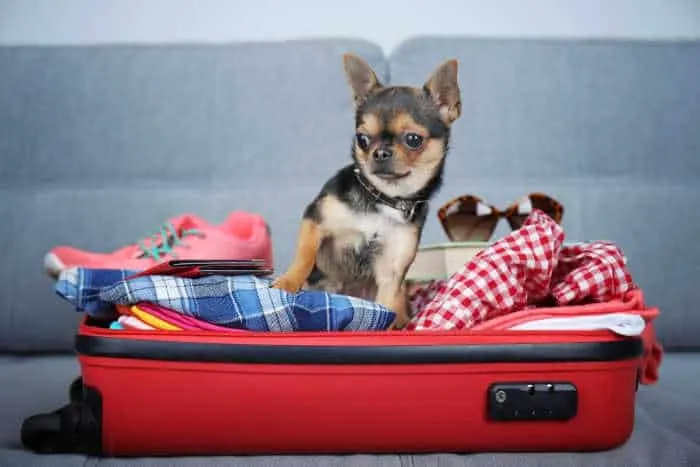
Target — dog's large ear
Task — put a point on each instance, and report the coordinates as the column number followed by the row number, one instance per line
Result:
column 361, row 78
column 443, row 87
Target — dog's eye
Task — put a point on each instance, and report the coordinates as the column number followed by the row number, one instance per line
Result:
column 363, row 141
column 413, row 140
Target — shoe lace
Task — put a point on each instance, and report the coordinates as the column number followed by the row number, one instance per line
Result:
column 163, row 241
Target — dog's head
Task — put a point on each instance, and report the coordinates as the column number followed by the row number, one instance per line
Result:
column 401, row 132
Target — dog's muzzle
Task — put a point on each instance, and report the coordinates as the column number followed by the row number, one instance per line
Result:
column 383, row 154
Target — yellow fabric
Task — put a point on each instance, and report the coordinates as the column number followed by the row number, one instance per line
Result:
column 152, row 320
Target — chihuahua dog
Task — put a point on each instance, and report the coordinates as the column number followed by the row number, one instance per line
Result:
column 360, row 234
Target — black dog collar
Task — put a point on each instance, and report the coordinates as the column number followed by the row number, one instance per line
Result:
column 408, row 207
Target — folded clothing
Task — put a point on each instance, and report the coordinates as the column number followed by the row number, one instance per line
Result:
column 626, row 316
column 131, row 322
column 238, row 302
column 150, row 320
column 82, row 286
column 527, row 268
column 154, row 316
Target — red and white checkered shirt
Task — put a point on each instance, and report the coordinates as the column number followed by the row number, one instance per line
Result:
column 522, row 270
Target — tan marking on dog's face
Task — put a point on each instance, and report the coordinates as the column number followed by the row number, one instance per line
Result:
column 421, row 162
column 433, row 152
column 404, row 123
column 371, row 125
column 401, row 126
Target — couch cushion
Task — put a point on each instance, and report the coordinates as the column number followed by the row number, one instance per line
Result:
column 665, row 430
column 674, row 399
column 607, row 127
column 101, row 144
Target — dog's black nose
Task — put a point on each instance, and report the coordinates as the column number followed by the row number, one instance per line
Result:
column 383, row 154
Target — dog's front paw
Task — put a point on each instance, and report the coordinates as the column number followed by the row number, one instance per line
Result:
column 287, row 282
column 400, row 322
column 399, row 305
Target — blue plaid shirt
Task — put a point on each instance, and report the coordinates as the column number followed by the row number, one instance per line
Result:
column 240, row 302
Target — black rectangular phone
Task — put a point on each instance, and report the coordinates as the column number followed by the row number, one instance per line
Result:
column 228, row 263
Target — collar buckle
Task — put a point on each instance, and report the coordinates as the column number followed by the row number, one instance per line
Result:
column 408, row 208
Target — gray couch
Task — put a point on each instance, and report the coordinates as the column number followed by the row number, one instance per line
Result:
column 100, row 144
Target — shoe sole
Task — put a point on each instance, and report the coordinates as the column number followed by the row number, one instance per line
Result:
column 53, row 266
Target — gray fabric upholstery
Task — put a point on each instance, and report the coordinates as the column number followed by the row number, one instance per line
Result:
column 100, row 145
column 607, row 127
column 666, row 432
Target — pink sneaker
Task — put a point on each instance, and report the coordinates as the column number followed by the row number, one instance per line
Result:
column 242, row 235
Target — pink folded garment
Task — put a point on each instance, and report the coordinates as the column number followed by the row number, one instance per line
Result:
column 187, row 323
column 132, row 322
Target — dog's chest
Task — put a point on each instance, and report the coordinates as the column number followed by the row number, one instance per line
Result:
column 354, row 240
column 370, row 229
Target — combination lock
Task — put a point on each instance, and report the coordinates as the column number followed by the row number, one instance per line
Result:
column 532, row 401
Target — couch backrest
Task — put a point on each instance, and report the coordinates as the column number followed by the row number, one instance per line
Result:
column 100, row 144
column 609, row 128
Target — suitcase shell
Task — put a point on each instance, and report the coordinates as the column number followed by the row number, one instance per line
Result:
column 197, row 393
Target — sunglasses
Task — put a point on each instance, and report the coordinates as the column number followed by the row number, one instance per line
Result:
column 468, row 218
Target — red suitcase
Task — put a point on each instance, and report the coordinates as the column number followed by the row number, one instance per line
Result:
column 180, row 393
